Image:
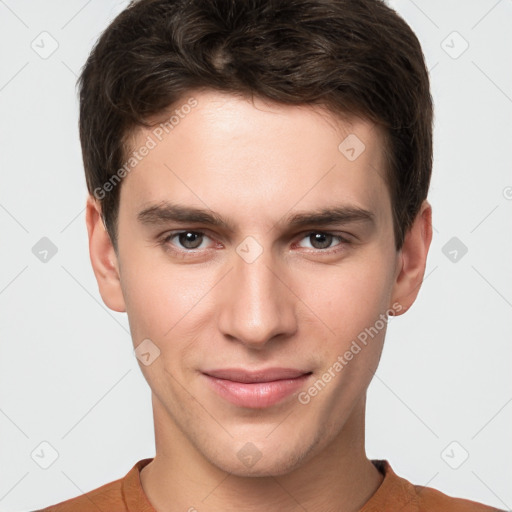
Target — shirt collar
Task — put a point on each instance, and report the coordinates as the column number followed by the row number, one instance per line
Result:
column 395, row 494
column 133, row 493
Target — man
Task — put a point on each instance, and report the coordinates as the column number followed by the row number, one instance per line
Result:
column 258, row 175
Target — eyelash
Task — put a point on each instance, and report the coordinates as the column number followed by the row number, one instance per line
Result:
column 185, row 253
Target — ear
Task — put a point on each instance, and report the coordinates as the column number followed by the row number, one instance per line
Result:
column 413, row 259
column 104, row 259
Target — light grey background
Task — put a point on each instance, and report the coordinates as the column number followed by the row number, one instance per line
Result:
column 68, row 375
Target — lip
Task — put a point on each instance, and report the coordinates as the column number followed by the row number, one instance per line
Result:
column 256, row 389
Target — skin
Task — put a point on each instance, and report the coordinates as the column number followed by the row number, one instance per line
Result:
column 300, row 304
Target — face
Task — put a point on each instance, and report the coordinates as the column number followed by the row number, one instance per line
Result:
column 291, row 265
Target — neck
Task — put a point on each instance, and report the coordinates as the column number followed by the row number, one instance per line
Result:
column 339, row 477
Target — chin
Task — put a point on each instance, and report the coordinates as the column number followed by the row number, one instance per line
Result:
column 246, row 460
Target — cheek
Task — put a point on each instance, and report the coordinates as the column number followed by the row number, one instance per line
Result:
column 160, row 307
column 349, row 297
column 155, row 298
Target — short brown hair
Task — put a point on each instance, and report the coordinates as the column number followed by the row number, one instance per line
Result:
column 351, row 56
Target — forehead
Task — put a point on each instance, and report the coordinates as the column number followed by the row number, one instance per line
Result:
column 216, row 149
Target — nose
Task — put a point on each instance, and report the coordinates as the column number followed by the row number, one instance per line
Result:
column 256, row 305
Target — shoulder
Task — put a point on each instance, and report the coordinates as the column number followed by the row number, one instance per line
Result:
column 432, row 499
column 398, row 494
column 101, row 498
column 120, row 495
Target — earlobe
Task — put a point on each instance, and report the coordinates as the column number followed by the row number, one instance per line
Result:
column 104, row 259
column 413, row 259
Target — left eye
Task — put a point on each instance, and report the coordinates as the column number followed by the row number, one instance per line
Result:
column 320, row 240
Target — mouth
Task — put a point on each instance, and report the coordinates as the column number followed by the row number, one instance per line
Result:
column 256, row 389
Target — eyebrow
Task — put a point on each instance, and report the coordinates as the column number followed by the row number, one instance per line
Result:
column 164, row 212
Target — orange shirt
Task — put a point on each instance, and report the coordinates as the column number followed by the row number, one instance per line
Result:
column 395, row 494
